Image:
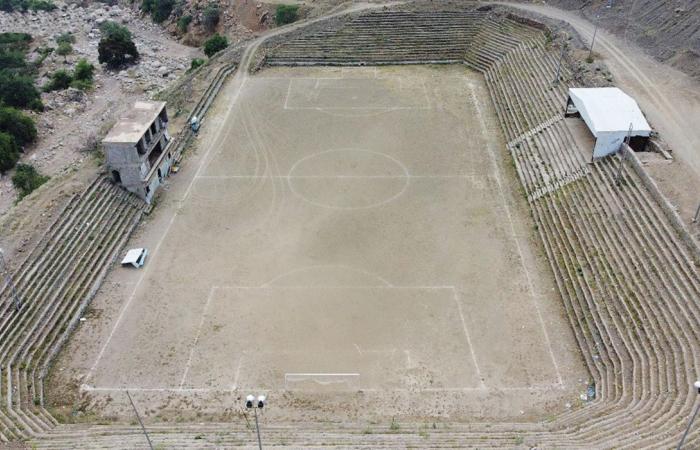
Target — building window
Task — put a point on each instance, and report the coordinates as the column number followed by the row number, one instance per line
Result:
column 153, row 128
column 116, row 176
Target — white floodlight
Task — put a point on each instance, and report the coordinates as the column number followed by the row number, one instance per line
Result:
column 261, row 401
column 249, row 401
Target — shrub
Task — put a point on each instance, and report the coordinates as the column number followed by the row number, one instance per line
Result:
column 83, row 71
column 15, row 40
column 12, row 59
column 60, row 79
column 64, row 49
column 162, row 11
column 196, row 62
column 183, row 22
column 210, row 17
column 66, row 37
column 18, row 125
column 285, row 14
column 116, row 47
column 19, row 91
column 9, row 152
column 41, row 5
column 26, row 179
column 215, row 44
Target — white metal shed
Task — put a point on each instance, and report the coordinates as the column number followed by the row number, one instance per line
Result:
column 608, row 112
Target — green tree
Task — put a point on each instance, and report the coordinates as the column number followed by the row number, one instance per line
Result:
column 18, row 90
column 210, row 17
column 26, row 179
column 215, row 44
column 116, row 47
column 60, row 80
column 285, row 14
column 18, row 125
column 9, row 152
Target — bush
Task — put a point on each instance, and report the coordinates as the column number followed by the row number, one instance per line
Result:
column 18, row 125
column 64, row 49
column 116, row 47
column 183, row 22
column 159, row 9
column 285, row 14
column 26, row 179
column 19, row 91
column 12, row 59
column 211, row 17
column 9, row 152
column 15, row 40
column 215, row 44
column 59, row 80
column 196, row 62
column 83, row 71
column 41, row 5
column 66, row 38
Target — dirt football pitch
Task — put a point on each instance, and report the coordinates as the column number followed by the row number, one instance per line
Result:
column 351, row 242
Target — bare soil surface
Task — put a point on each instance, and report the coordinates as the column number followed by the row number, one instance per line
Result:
column 351, row 242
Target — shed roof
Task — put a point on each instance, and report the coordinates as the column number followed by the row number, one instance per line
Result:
column 609, row 110
column 132, row 126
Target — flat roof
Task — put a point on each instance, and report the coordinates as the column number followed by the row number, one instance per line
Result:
column 134, row 124
column 609, row 110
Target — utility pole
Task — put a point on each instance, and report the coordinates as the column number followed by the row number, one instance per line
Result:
column 595, row 32
column 9, row 283
column 561, row 58
column 143, row 428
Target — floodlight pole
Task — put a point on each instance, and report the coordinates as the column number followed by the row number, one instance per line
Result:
column 9, row 283
column 697, row 214
column 595, row 32
column 692, row 419
column 257, row 428
column 143, row 428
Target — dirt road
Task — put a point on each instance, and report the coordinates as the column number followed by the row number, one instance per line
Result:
column 669, row 98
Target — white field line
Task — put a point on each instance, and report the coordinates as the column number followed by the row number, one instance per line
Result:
column 530, row 286
column 196, row 337
column 534, row 388
column 465, row 328
column 341, row 177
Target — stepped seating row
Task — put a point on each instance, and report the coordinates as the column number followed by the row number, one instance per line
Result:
column 627, row 282
column 384, row 37
column 55, row 283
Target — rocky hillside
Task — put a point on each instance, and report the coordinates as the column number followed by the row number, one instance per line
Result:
column 668, row 29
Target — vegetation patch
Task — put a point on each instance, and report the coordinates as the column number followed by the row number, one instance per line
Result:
column 116, row 48
column 215, row 44
column 285, row 14
column 26, row 179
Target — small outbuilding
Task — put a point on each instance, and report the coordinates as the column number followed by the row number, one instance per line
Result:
column 137, row 149
column 611, row 115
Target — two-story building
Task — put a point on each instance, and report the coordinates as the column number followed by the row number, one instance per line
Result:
column 136, row 149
